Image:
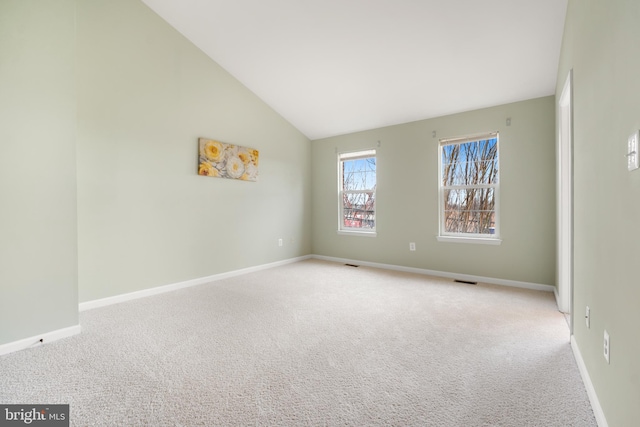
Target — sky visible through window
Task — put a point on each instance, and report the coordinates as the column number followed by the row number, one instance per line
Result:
column 474, row 162
column 358, row 193
column 359, row 174
column 469, row 177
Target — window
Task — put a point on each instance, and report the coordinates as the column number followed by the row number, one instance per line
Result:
column 357, row 192
column 469, row 188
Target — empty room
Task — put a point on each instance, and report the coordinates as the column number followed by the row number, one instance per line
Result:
column 287, row 213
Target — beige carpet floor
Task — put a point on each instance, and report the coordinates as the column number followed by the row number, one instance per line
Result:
column 313, row 343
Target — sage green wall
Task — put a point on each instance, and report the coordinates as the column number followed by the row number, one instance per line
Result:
column 145, row 218
column 38, row 267
column 602, row 46
column 407, row 195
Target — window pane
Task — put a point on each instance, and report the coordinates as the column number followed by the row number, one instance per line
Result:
column 450, row 154
column 359, row 174
column 470, row 163
column 469, row 211
column 357, row 190
column 471, row 166
column 359, row 210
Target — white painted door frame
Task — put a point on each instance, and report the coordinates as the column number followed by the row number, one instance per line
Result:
column 565, row 197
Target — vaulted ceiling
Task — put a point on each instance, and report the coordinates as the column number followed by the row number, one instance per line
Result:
column 332, row 67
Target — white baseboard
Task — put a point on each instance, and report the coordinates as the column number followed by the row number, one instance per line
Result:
column 586, row 379
column 466, row 277
column 38, row 340
column 88, row 305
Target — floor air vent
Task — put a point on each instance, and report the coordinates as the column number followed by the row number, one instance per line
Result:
column 465, row 281
column 352, row 265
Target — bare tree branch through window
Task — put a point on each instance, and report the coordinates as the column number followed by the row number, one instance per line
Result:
column 358, row 191
column 469, row 186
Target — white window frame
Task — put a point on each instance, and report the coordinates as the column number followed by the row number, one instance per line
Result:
column 455, row 237
column 342, row 229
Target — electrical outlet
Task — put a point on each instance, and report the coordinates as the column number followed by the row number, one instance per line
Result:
column 279, row 242
column 607, row 346
column 587, row 317
column 412, row 246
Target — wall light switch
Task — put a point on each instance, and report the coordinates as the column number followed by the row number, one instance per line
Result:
column 632, row 151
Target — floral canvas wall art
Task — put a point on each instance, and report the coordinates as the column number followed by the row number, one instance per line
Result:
column 223, row 160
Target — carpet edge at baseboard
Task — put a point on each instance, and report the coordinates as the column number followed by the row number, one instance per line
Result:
column 591, row 391
column 115, row 299
column 39, row 340
column 445, row 274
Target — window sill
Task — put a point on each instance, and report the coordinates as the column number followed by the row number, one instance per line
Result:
column 472, row 240
column 357, row 233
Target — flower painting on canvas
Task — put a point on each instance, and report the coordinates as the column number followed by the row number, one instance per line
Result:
column 227, row 161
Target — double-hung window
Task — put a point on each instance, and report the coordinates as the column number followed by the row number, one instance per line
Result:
column 469, row 189
column 357, row 192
